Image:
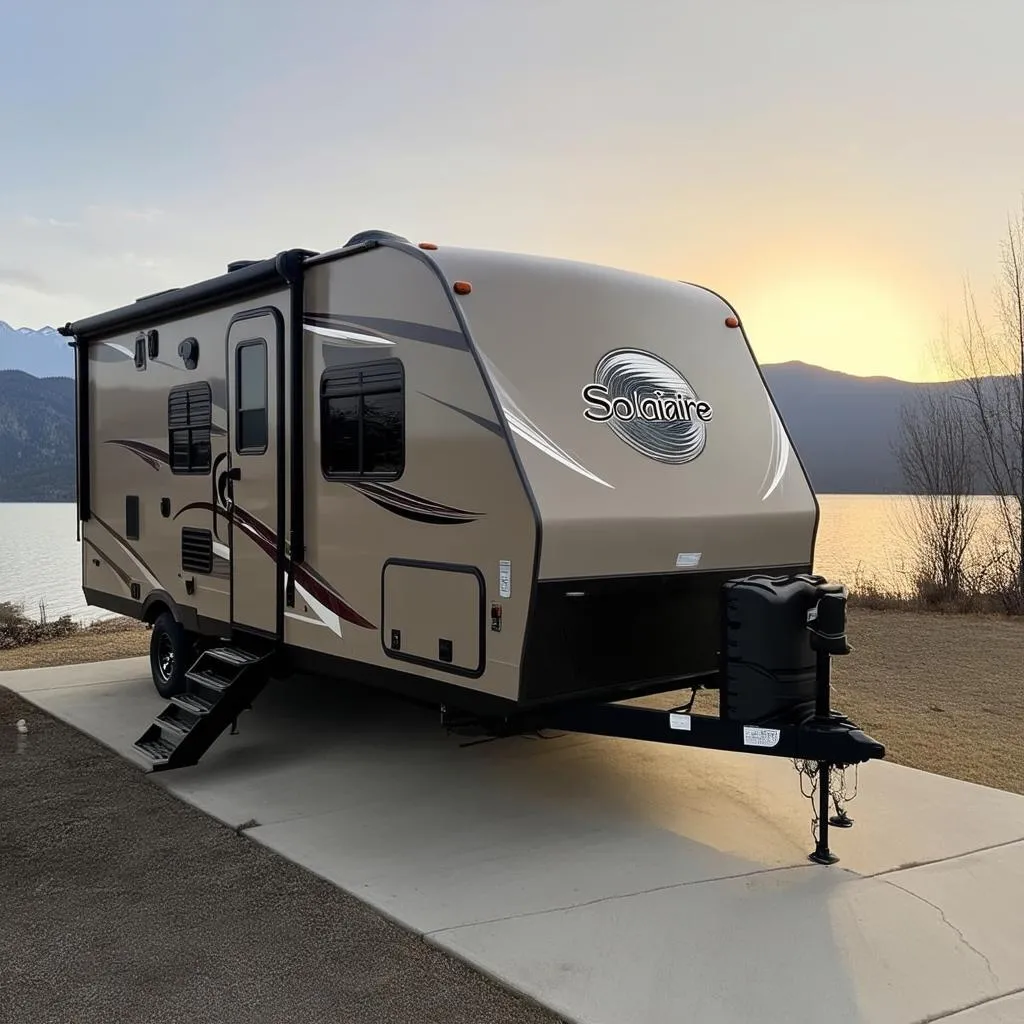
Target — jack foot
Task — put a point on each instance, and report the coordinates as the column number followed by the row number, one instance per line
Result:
column 823, row 857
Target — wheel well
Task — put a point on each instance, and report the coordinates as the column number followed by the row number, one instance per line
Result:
column 154, row 610
column 159, row 601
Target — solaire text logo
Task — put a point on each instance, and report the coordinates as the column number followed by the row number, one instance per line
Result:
column 648, row 404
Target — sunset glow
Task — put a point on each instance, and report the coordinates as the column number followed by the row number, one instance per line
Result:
column 857, row 325
column 834, row 170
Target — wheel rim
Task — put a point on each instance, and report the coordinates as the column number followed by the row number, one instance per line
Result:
column 165, row 657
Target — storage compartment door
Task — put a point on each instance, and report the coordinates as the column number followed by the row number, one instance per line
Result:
column 434, row 615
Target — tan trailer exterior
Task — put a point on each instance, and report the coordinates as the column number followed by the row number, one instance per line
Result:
column 477, row 477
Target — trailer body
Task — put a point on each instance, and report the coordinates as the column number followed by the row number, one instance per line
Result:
column 488, row 478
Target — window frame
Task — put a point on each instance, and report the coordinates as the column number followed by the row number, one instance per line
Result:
column 251, row 343
column 346, row 370
column 189, row 427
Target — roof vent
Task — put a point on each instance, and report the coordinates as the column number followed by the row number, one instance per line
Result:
column 240, row 265
column 362, row 237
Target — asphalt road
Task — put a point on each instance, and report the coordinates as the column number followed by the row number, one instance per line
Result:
column 120, row 903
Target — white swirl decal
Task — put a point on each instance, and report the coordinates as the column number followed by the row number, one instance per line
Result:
column 522, row 426
column 778, row 455
column 649, row 404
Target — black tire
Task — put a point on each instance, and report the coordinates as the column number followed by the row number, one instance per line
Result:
column 170, row 647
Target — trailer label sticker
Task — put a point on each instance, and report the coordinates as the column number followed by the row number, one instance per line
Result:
column 505, row 579
column 649, row 404
column 756, row 737
column 678, row 721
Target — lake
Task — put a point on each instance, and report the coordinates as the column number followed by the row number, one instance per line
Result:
column 859, row 537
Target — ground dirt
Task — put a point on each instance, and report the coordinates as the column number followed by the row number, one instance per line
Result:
column 120, row 903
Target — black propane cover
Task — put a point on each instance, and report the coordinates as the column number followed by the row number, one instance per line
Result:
column 767, row 662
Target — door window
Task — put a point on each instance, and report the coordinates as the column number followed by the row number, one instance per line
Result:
column 251, row 421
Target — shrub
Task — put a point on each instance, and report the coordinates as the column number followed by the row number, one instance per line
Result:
column 986, row 594
column 18, row 630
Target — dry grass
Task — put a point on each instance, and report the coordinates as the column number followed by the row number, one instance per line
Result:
column 944, row 693
column 877, row 597
column 113, row 638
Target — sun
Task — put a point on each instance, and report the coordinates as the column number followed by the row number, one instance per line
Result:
column 855, row 324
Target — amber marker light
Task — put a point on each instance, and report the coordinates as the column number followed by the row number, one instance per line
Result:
column 731, row 321
column 428, row 245
column 462, row 287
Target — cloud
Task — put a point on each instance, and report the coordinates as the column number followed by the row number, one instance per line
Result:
column 128, row 259
column 66, row 262
column 27, row 279
column 97, row 212
column 28, row 221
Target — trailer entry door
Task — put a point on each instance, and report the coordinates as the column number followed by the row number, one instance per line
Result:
column 253, row 480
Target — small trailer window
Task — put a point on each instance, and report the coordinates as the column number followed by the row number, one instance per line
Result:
column 189, row 418
column 362, row 421
column 251, row 429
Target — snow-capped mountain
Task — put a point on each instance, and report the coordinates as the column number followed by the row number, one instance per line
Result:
column 42, row 352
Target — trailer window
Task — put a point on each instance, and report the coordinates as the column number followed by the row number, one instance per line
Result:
column 251, row 381
column 362, row 421
column 189, row 418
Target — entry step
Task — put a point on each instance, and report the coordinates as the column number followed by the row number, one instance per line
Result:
column 219, row 686
column 158, row 748
column 232, row 655
column 192, row 702
column 205, row 677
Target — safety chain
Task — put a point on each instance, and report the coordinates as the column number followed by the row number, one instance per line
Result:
column 837, row 789
column 840, row 796
column 809, row 769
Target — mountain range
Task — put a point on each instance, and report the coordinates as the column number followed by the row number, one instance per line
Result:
column 37, row 437
column 42, row 352
column 842, row 426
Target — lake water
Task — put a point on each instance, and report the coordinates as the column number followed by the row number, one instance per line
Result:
column 859, row 537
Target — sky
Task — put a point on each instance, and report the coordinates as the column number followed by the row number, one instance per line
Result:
column 834, row 168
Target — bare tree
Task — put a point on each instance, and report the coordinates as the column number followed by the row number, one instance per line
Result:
column 987, row 358
column 935, row 458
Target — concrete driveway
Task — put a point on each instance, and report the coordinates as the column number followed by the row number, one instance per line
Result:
column 614, row 881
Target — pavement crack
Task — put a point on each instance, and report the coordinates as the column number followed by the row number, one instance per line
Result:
column 621, row 896
column 986, row 1001
column 911, row 865
column 949, row 924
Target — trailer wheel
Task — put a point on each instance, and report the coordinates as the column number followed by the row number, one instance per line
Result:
column 169, row 648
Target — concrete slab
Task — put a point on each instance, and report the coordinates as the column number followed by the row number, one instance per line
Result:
column 612, row 880
column 980, row 897
column 792, row 945
column 98, row 673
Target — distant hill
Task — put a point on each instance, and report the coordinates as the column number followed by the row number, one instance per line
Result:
column 43, row 352
column 37, row 437
column 842, row 426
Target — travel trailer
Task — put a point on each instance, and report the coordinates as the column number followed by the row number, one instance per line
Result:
column 500, row 483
